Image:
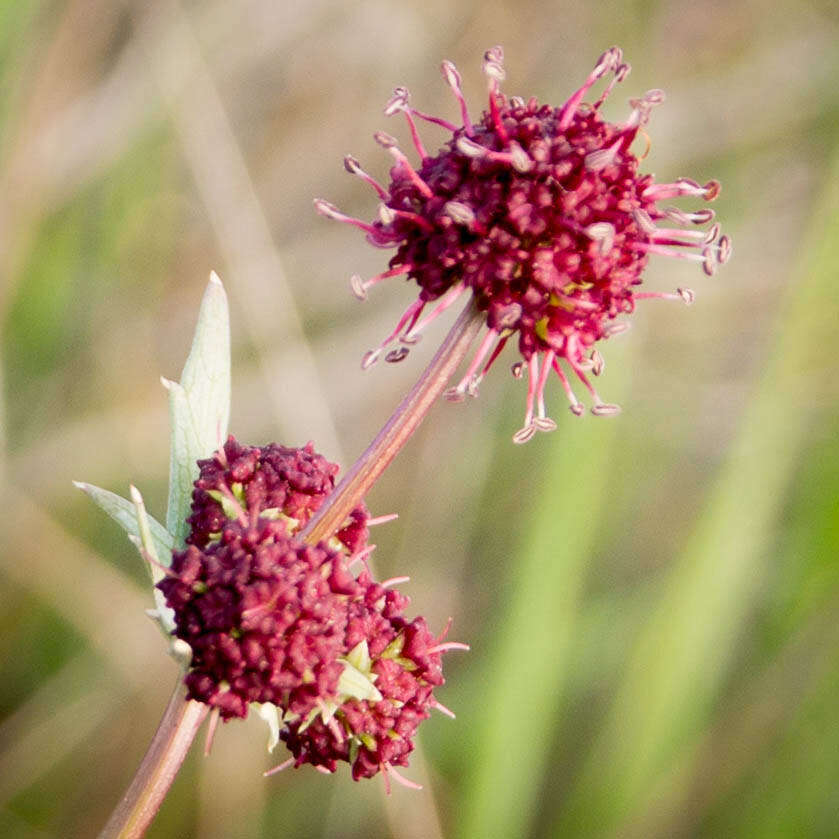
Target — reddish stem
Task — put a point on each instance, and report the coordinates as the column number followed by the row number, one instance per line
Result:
column 401, row 425
column 166, row 753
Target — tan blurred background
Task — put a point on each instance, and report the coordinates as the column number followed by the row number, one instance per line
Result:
column 652, row 601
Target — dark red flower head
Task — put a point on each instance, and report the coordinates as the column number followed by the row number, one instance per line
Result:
column 541, row 214
column 242, row 483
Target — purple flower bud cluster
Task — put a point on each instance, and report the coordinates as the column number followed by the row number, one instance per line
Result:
column 272, row 480
column 271, row 619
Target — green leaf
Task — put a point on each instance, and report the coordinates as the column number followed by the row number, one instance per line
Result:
column 199, row 406
column 124, row 513
column 147, row 534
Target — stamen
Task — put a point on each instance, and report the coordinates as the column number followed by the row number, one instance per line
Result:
column 641, row 109
column 279, row 767
column 394, row 581
column 495, row 353
column 610, row 61
column 576, row 406
column 603, row 233
column 724, row 249
column 452, row 77
column 468, row 384
column 448, row 645
column 400, row 779
column 359, row 287
column 397, row 355
column 443, row 123
column 438, row 706
column 494, row 71
column 527, row 430
column 542, row 421
column 361, row 556
column 682, row 186
column 377, row 520
column 517, row 369
column 600, row 408
column 354, row 168
column 596, row 160
column 415, row 333
column 686, row 295
column 697, row 217
column 400, row 102
column 389, row 143
column 621, row 72
column 612, row 329
column 517, row 157
column 325, row 208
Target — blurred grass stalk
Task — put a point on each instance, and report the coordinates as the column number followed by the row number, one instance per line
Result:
column 685, row 647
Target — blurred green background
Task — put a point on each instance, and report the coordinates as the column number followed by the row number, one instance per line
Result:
column 652, row 601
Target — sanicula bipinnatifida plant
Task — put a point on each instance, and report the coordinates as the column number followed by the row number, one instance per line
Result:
column 538, row 216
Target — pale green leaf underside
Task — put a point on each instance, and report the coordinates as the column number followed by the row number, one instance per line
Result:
column 124, row 513
column 199, row 407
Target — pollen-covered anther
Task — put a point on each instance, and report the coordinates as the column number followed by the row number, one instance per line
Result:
column 493, row 64
column 370, row 358
column 459, row 212
column 604, row 409
column 358, row 288
column 397, row 355
column 398, row 102
column 687, row 294
column 603, row 233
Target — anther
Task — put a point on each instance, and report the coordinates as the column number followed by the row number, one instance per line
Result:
column 711, row 190
column 386, row 214
column 358, row 288
column 517, row 370
column 325, row 208
column 385, row 140
column 470, row 148
column 687, row 295
column 712, row 234
column 612, row 329
column 603, row 233
column 643, row 220
column 544, row 424
column 370, row 358
column 523, row 435
column 395, row 356
column 494, row 64
column 709, row 261
column 516, row 102
column 600, row 159
column 452, row 77
column 454, row 394
column 577, row 409
column 608, row 61
column 724, row 249
column 597, row 363
column 521, row 160
column 459, row 212
column 604, row 409
column 398, row 102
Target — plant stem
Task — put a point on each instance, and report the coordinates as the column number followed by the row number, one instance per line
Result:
column 182, row 718
column 166, row 753
column 401, row 425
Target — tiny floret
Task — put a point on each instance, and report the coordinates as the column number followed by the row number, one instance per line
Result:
column 540, row 213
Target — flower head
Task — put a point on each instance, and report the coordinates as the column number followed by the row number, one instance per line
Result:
column 242, row 483
column 272, row 620
column 539, row 212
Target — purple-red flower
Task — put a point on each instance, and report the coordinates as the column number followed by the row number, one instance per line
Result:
column 242, row 483
column 539, row 212
column 306, row 629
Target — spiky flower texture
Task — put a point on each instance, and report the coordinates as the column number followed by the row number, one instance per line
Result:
column 541, row 214
column 269, row 619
